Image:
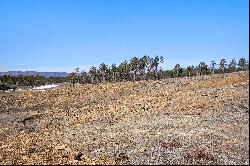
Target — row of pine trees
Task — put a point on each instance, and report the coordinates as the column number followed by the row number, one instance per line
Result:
column 144, row 68
column 147, row 68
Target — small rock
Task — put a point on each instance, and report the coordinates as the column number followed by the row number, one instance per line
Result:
column 78, row 156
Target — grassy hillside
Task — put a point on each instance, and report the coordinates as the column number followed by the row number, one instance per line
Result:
column 197, row 120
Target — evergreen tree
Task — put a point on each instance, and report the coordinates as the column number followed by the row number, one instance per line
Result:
column 213, row 64
column 223, row 65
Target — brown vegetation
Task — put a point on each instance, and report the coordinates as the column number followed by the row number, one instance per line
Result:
column 198, row 120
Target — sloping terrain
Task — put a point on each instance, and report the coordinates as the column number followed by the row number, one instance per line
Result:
column 199, row 120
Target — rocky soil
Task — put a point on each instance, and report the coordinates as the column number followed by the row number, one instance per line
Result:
column 199, row 120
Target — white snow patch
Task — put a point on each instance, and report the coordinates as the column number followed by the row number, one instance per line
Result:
column 20, row 90
column 45, row 87
column 8, row 91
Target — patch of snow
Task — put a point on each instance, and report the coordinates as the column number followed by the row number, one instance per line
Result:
column 8, row 91
column 20, row 90
column 45, row 87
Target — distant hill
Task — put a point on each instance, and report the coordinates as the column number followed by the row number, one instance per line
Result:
column 27, row 73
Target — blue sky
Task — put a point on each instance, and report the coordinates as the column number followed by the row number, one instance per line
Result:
column 59, row 35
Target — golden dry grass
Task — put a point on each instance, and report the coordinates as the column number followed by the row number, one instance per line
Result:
column 201, row 120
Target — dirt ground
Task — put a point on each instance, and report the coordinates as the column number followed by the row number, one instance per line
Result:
column 198, row 120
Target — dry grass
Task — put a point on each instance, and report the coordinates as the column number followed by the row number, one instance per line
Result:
column 201, row 120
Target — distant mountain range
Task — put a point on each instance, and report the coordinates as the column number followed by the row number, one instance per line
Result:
column 27, row 73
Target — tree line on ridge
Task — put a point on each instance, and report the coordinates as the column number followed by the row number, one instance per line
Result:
column 147, row 68
column 136, row 69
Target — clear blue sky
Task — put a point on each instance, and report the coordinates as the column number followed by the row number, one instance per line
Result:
column 59, row 35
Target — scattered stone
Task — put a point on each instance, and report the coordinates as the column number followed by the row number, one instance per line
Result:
column 78, row 156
